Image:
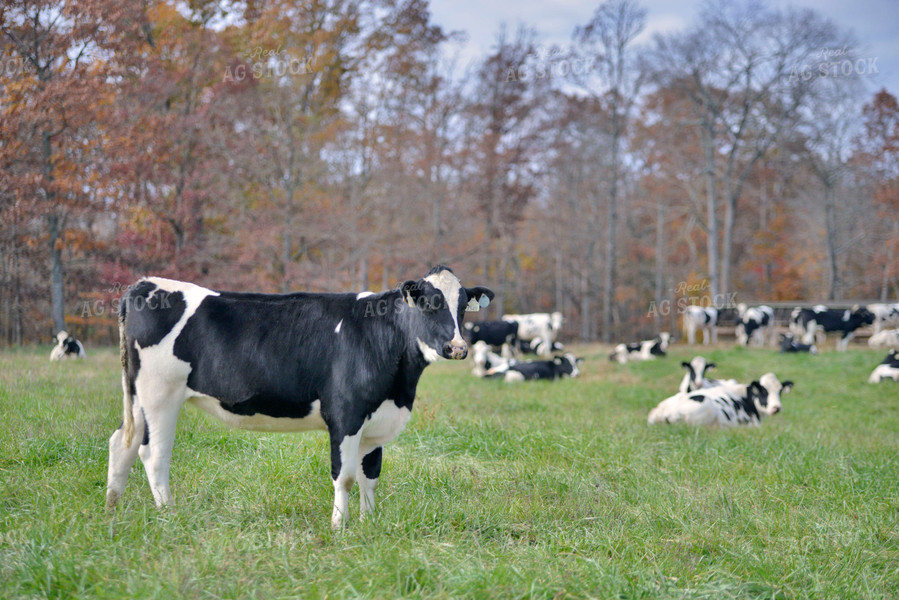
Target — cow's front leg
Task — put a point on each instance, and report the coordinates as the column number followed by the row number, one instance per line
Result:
column 369, row 471
column 344, row 462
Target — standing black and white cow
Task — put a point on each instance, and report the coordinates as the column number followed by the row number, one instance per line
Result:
column 806, row 322
column 66, row 347
column 726, row 405
column 558, row 367
column 885, row 315
column 345, row 363
column 500, row 335
column 704, row 318
column 545, row 326
column 756, row 322
column 887, row 369
column 789, row 345
column 645, row 350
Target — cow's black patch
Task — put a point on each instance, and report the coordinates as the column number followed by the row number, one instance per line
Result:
column 271, row 406
column 697, row 398
column 371, row 464
column 151, row 312
column 146, row 440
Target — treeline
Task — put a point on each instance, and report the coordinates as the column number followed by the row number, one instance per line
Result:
column 339, row 145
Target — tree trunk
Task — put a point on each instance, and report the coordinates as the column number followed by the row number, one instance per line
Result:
column 891, row 260
column 57, row 311
column 608, row 283
column 830, row 218
column 660, row 262
column 708, row 143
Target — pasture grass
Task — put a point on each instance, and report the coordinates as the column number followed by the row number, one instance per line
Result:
column 540, row 490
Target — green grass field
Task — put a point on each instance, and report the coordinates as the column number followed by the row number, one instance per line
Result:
column 493, row 491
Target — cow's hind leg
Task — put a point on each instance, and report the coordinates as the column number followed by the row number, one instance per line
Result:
column 367, row 475
column 344, row 462
column 161, row 416
column 122, row 457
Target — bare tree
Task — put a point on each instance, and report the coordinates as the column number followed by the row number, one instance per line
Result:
column 608, row 37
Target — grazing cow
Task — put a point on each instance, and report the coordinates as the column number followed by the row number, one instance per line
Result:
column 704, row 318
column 754, row 321
column 485, row 360
column 545, row 326
column 888, row 369
column 558, row 367
column 727, row 405
column 66, row 347
column 888, row 338
column 345, row 363
column 694, row 378
column 645, row 350
column 537, row 346
column 498, row 334
column 788, row 344
column 884, row 315
column 806, row 322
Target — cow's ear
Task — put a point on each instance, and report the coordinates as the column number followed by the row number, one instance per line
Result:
column 787, row 386
column 557, row 360
column 411, row 292
column 478, row 298
column 685, row 365
column 579, row 360
column 711, row 366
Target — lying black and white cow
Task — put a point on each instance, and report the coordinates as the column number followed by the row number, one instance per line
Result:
column 789, row 344
column 484, row 359
column 66, row 347
column 756, row 322
column 887, row 369
column 345, row 363
column 558, row 367
column 806, row 322
column 704, row 318
column 545, row 326
column 726, row 405
column 500, row 335
column 539, row 347
column 694, row 378
column 645, row 350
column 885, row 315
column 887, row 338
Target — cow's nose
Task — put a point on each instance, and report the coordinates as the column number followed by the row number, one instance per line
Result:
column 775, row 410
column 455, row 350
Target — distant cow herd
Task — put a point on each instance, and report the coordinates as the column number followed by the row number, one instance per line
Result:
column 354, row 365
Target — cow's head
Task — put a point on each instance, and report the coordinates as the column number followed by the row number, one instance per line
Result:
column 62, row 336
column 696, row 370
column 440, row 302
column 567, row 364
column 861, row 316
column 766, row 391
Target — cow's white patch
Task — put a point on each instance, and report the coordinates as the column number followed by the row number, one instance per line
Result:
column 259, row 422
column 362, row 295
column 450, row 286
column 384, row 424
column 337, row 329
column 429, row 353
column 514, row 376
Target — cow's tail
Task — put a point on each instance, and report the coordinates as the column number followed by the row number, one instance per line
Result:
column 127, row 398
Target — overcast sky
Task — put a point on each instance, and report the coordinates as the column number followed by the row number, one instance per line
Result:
column 875, row 23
